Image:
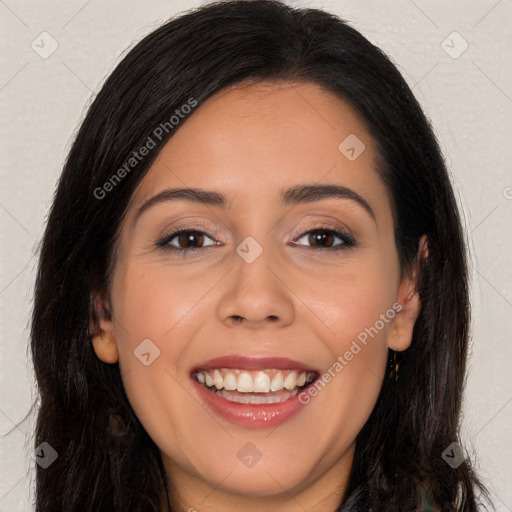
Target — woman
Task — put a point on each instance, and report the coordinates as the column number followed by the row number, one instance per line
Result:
column 195, row 345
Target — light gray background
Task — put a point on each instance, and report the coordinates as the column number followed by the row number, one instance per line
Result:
column 468, row 98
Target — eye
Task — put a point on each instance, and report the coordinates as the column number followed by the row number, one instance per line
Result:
column 186, row 238
column 324, row 235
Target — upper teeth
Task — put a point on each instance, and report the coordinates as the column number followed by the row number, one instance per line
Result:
column 262, row 381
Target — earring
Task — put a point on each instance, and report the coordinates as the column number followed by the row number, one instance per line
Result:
column 395, row 366
column 116, row 424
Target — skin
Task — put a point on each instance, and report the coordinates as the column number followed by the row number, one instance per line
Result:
column 248, row 142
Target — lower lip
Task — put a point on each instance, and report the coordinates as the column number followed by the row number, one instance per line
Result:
column 249, row 415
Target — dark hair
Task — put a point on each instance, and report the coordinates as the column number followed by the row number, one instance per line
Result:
column 193, row 57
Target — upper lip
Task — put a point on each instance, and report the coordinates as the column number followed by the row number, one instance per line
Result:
column 241, row 362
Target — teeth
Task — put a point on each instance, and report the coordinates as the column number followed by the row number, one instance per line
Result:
column 257, row 399
column 244, row 384
column 291, row 381
column 277, row 382
column 263, row 381
column 230, row 382
column 217, row 379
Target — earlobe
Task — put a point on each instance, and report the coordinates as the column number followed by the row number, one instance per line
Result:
column 103, row 342
column 400, row 333
column 105, row 347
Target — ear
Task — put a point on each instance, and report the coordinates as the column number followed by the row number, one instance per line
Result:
column 101, row 328
column 400, row 334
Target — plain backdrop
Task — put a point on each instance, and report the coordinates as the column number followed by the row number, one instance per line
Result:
column 456, row 57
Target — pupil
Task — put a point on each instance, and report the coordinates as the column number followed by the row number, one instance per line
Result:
column 320, row 235
column 189, row 238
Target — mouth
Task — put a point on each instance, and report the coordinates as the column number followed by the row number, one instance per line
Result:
column 253, row 392
column 255, row 387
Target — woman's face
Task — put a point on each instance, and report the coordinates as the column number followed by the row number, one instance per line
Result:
column 262, row 275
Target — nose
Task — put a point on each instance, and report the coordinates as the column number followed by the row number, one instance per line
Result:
column 256, row 294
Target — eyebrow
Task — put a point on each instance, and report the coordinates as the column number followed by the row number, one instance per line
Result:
column 291, row 196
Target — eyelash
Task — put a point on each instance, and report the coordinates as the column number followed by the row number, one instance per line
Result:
column 163, row 241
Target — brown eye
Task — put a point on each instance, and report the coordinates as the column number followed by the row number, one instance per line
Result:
column 324, row 238
column 185, row 240
column 189, row 237
column 320, row 237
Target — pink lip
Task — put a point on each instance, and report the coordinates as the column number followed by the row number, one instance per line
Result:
column 248, row 415
column 254, row 363
column 252, row 416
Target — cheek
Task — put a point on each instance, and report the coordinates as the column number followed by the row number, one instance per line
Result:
column 155, row 319
column 359, row 313
column 356, row 309
column 355, row 299
column 157, row 304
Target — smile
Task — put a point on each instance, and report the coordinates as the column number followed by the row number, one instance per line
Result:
column 255, row 387
column 252, row 392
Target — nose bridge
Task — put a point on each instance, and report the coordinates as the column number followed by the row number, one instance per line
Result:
column 255, row 261
column 259, row 245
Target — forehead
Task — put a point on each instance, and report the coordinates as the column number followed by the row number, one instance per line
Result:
column 251, row 141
